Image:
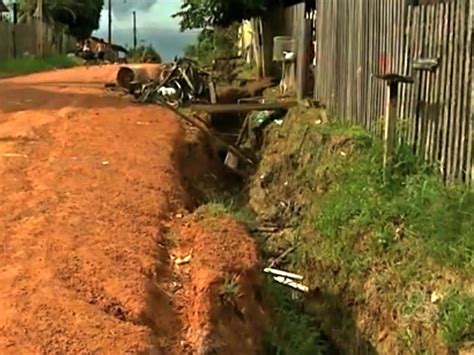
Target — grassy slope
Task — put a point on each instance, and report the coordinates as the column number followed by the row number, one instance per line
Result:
column 393, row 260
column 28, row 65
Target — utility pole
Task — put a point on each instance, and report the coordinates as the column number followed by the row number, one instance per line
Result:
column 110, row 22
column 15, row 13
column 15, row 21
column 134, row 30
column 40, row 26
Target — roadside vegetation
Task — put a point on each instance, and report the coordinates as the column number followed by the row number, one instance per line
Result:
column 213, row 43
column 28, row 65
column 389, row 258
column 144, row 54
column 396, row 254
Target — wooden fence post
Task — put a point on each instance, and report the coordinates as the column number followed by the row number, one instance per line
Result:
column 390, row 132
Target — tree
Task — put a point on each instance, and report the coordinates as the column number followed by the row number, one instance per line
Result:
column 208, row 13
column 80, row 17
column 213, row 43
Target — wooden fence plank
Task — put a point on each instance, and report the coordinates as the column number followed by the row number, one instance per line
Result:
column 451, row 164
column 470, row 101
column 459, row 96
column 359, row 38
column 427, row 116
column 440, row 45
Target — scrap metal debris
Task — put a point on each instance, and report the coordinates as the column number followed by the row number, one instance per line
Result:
column 183, row 83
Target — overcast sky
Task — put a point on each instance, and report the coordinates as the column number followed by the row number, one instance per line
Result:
column 154, row 25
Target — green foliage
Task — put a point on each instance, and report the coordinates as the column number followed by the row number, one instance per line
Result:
column 293, row 331
column 144, row 54
column 81, row 17
column 29, row 65
column 413, row 203
column 230, row 290
column 199, row 14
column 387, row 241
column 213, row 43
column 456, row 317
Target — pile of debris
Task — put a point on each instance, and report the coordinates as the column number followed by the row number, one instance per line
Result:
column 179, row 84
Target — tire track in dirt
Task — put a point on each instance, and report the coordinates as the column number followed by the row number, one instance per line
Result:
column 81, row 215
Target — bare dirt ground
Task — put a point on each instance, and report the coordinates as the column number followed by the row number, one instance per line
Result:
column 90, row 183
column 85, row 180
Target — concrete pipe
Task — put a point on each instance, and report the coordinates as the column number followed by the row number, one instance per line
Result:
column 138, row 73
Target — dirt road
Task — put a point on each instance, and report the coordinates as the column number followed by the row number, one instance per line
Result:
column 85, row 180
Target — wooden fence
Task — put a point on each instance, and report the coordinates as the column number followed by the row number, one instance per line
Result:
column 17, row 40
column 357, row 39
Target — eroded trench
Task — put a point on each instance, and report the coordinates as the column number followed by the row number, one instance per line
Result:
column 213, row 263
column 207, row 297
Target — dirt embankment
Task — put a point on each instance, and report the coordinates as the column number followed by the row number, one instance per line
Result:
column 219, row 288
column 87, row 181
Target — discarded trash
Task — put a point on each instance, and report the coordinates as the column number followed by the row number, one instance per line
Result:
column 343, row 154
column 181, row 261
column 435, row 297
column 279, row 122
column 291, row 283
column 15, row 155
column 231, row 160
column 282, row 273
column 179, row 215
column 266, row 179
column 140, row 123
column 184, row 83
column 105, row 162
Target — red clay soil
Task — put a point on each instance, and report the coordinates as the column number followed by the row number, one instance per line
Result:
column 219, row 288
column 85, row 180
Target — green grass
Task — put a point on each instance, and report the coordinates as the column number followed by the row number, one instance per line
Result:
column 230, row 290
column 414, row 205
column 384, row 242
column 293, row 331
column 456, row 315
column 28, row 65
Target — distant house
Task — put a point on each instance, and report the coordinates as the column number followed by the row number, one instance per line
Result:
column 291, row 18
column 115, row 52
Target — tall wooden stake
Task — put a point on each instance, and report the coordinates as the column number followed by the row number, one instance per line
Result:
column 390, row 123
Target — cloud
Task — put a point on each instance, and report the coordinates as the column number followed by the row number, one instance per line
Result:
column 167, row 41
column 123, row 8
